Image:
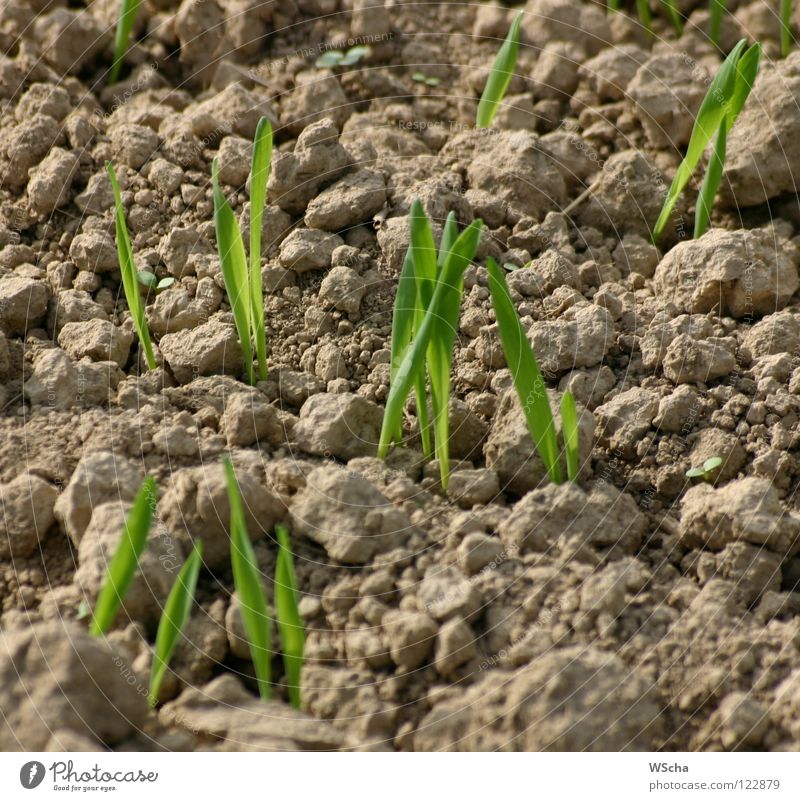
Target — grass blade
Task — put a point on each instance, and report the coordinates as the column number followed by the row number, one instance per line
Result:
column 458, row 260
column 746, row 73
column 711, row 182
column 716, row 9
column 713, row 109
column 524, row 368
column 234, row 268
column 173, row 619
column 247, row 580
column 127, row 267
column 674, row 15
column 128, row 11
column 645, row 15
column 614, row 5
column 290, row 624
column 500, row 77
column 569, row 431
column 403, row 314
column 126, row 559
column 259, row 174
column 786, row 27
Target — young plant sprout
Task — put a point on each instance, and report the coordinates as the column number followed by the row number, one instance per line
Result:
column 247, row 580
column 525, row 371
column 290, row 624
column 500, row 76
column 339, row 58
column 721, row 106
column 674, row 15
column 130, row 281
column 570, row 433
column 786, row 27
column 149, row 280
column 716, row 10
column 421, row 77
column 126, row 559
column 645, row 15
column 243, row 281
column 173, row 618
column 425, row 331
column 706, row 470
column 128, row 11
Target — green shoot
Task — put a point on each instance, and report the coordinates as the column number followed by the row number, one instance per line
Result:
column 614, row 5
column 569, row 431
column 290, row 624
column 174, row 617
column 126, row 559
column 421, row 77
column 128, row 11
column 706, row 470
column 127, row 267
column 435, row 326
column 674, row 15
column 338, row 58
column 716, row 9
column 524, row 368
column 645, row 16
column 721, row 106
column 149, row 280
column 259, row 173
column 746, row 71
column 247, row 580
column 500, row 77
column 786, row 27
column 234, row 269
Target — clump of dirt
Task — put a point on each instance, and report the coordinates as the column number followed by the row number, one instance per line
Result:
column 634, row 609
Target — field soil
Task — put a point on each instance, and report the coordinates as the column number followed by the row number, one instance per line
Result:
column 637, row 609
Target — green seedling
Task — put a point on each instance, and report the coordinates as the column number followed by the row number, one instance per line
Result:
column 259, row 175
column 527, row 376
column 571, row 435
column 706, row 470
column 786, row 27
column 149, row 280
column 421, row 77
column 645, row 15
column 614, row 5
column 247, row 580
column 126, row 559
column 716, row 10
column 243, row 280
column 130, row 282
column 173, row 619
column 340, row 58
column 721, row 106
column 128, row 11
column 500, row 76
column 290, row 624
column 674, row 15
column 440, row 280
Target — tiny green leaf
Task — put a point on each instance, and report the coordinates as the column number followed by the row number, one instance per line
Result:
column 290, row 624
column 126, row 559
column 528, row 380
column 332, row 58
column 128, row 11
column 235, row 272
column 173, row 619
column 500, row 76
column 695, row 472
column 146, row 279
column 259, row 174
column 354, row 55
column 570, row 433
column 165, row 283
column 247, row 580
column 130, row 281
column 712, row 464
